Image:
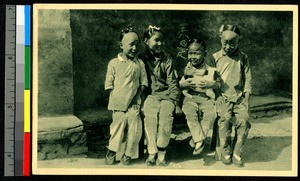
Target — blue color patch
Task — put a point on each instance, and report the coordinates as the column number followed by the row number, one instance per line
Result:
column 27, row 25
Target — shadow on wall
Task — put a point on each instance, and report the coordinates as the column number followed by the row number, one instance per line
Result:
column 266, row 38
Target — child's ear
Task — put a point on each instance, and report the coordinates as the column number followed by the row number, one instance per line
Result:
column 121, row 45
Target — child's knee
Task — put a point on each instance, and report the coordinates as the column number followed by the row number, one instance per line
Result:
column 209, row 120
column 166, row 109
column 167, row 128
column 190, row 109
column 242, row 120
column 151, row 106
column 243, row 124
column 224, row 119
column 119, row 117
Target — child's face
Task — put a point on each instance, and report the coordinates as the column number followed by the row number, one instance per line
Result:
column 196, row 54
column 229, row 41
column 130, row 45
column 156, row 42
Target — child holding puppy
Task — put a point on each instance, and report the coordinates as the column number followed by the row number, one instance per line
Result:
column 199, row 85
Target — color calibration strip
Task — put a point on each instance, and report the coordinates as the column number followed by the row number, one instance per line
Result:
column 17, row 91
column 27, row 115
column 22, row 129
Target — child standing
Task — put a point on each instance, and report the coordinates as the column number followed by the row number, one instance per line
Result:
column 233, row 105
column 162, row 96
column 198, row 105
column 126, row 78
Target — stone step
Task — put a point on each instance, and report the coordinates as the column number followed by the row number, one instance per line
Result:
column 60, row 136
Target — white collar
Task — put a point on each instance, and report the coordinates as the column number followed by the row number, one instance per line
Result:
column 121, row 55
column 203, row 66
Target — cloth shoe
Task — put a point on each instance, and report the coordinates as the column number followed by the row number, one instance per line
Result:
column 162, row 163
column 110, row 157
column 126, row 160
column 237, row 161
column 198, row 149
column 150, row 160
column 226, row 159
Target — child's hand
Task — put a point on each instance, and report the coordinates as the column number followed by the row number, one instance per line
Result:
column 109, row 90
column 136, row 102
column 178, row 110
column 245, row 101
column 187, row 83
column 206, row 84
column 136, row 107
column 202, row 84
column 186, row 94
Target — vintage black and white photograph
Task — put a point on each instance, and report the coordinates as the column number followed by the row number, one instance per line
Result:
column 147, row 89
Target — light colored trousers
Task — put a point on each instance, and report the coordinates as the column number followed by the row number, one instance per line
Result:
column 200, row 118
column 126, row 127
column 158, row 122
column 235, row 114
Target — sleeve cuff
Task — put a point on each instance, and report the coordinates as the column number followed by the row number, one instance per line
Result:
column 108, row 87
column 146, row 85
column 249, row 92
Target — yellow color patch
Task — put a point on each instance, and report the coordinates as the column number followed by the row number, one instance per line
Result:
column 27, row 111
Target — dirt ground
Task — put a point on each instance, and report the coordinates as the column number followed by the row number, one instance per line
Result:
column 268, row 148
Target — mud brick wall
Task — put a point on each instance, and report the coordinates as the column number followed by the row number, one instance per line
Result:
column 60, row 133
column 266, row 39
column 56, row 95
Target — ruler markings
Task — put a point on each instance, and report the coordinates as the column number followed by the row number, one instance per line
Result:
column 9, row 169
